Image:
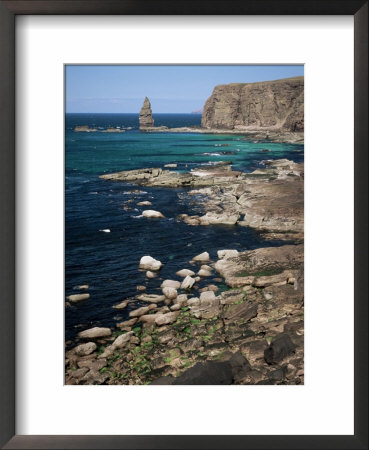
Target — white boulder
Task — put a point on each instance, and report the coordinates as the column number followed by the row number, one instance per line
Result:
column 150, row 263
column 151, row 214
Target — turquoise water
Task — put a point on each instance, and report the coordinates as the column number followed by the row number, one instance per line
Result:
column 108, row 262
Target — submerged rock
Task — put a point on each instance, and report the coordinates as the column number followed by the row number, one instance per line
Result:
column 204, row 273
column 151, row 214
column 150, row 274
column 121, row 305
column 75, row 298
column 185, row 273
column 202, row 257
column 151, row 298
column 144, row 203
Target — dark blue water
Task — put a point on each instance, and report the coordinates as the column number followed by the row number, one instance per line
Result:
column 108, row 262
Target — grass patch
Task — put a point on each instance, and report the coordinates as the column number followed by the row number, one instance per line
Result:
column 195, row 321
column 137, row 331
column 101, row 349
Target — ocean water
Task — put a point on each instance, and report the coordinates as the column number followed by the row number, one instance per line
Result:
column 108, row 262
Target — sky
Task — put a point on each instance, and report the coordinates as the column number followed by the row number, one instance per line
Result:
column 171, row 89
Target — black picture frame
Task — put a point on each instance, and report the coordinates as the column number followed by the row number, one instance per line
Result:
column 8, row 11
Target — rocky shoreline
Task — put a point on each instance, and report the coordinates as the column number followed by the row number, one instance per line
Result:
column 249, row 332
column 259, row 135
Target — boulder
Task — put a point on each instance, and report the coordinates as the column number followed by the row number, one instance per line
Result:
column 204, row 273
column 150, row 263
column 187, row 283
column 280, row 347
column 121, row 305
column 150, row 318
column 185, row 273
column 194, row 301
column 75, row 298
column 139, row 312
column 151, row 298
column 175, row 307
column 120, row 342
column 127, row 323
column 181, row 300
column 166, row 318
column 150, row 274
column 202, row 257
column 94, row 333
column 85, row 349
column 207, row 297
column 170, row 292
column 171, row 283
column 151, row 214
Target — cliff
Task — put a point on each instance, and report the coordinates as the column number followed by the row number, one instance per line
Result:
column 146, row 120
column 269, row 105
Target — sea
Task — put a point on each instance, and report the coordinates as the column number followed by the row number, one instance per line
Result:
column 108, row 261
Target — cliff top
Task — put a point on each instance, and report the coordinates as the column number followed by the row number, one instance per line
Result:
column 281, row 80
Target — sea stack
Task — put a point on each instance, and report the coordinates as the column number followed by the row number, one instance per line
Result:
column 146, row 120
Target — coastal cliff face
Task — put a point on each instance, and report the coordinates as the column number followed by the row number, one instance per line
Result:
column 146, row 120
column 273, row 105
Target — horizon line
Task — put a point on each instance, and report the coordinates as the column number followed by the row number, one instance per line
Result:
column 97, row 112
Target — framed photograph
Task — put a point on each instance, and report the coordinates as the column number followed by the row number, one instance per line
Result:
column 184, row 225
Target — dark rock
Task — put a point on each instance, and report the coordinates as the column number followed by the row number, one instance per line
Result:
column 163, row 380
column 277, row 374
column 280, row 347
column 207, row 373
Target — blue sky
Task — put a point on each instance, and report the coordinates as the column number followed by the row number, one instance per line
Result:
column 171, row 89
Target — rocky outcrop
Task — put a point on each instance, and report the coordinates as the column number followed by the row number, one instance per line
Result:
column 145, row 118
column 269, row 105
column 269, row 199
